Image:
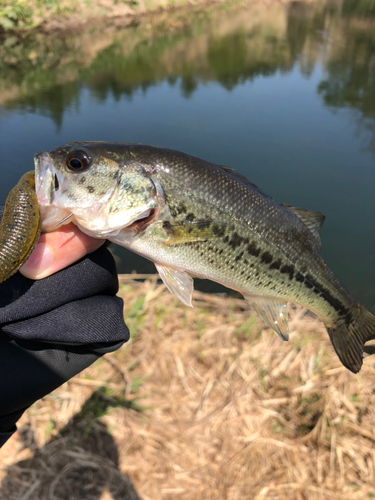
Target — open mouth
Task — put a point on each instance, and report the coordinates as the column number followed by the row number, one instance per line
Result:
column 56, row 182
column 141, row 224
column 46, row 182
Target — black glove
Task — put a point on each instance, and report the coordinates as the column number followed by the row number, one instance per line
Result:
column 52, row 329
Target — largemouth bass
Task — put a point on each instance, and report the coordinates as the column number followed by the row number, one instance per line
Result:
column 192, row 217
column 20, row 226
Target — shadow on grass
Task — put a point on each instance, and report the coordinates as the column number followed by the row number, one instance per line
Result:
column 81, row 462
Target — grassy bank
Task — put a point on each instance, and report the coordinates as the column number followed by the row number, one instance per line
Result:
column 202, row 403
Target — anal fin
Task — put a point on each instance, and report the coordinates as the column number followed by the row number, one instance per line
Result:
column 177, row 282
column 274, row 314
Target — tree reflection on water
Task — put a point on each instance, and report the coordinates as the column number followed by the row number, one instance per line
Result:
column 232, row 46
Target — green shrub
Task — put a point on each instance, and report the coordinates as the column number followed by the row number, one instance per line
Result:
column 14, row 13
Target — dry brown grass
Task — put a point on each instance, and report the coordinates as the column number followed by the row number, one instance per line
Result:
column 202, row 403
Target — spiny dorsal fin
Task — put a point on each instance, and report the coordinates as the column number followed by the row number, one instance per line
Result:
column 312, row 220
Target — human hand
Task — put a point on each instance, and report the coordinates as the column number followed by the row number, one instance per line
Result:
column 52, row 329
column 57, row 250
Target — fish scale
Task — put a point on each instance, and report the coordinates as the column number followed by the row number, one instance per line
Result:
column 194, row 218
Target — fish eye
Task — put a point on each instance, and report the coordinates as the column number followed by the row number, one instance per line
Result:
column 77, row 161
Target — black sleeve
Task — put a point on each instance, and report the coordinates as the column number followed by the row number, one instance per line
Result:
column 52, row 329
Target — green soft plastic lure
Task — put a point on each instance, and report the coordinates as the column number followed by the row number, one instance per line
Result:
column 19, row 227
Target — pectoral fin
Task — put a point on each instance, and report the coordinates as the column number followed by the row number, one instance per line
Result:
column 189, row 232
column 274, row 314
column 177, row 282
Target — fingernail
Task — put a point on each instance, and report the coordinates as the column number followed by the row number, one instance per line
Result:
column 40, row 261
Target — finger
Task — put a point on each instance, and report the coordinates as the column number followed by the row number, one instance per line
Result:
column 57, row 250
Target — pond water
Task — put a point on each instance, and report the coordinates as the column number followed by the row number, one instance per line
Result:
column 283, row 94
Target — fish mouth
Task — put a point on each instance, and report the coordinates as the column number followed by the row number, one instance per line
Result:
column 139, row 225
column 47, row 187
column 47, row 182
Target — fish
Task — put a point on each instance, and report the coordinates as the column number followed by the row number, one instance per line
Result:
column 193, row 218
column 20, row 226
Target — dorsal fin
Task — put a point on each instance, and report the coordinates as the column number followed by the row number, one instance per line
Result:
column 312, row 220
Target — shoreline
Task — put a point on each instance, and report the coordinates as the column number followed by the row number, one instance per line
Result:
column 70, row 15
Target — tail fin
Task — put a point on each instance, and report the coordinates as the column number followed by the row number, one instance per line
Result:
column 349, row 339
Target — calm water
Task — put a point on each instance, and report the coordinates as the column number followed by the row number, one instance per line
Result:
column 285, row 95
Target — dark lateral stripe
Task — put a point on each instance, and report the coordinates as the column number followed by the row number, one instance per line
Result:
column 235, row 241
column 288, row 269
column 252, row 249
column 311, row 282
column 299, row 277
column 266, row 258
column 276, row 264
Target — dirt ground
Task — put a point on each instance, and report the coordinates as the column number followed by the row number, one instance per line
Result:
column 203, row 403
